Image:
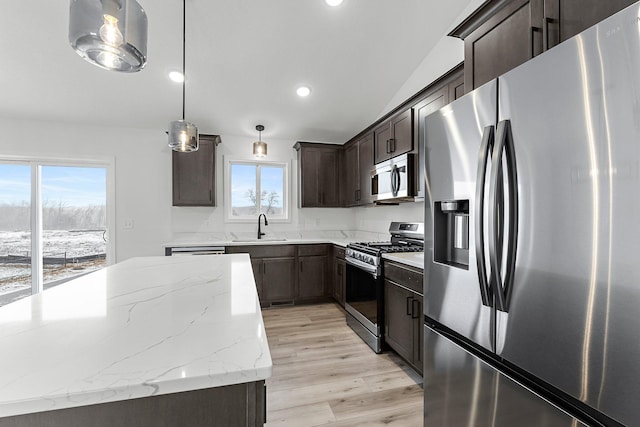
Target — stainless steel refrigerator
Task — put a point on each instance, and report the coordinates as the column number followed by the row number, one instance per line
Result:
column 532, row 285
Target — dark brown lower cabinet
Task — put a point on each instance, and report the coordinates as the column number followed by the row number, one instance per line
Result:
column 313, row 276
column 256, row 266
column 339, row 277
column 240, row 405
column 403, row 313
column 274, row 270
column 339, row 281
column 278, row 278
column 288, row 274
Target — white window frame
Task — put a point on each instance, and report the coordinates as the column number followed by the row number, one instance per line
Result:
column 36, row 164
column 286, row 197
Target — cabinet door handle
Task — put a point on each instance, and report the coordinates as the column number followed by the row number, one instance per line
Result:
column 392, row 145
column 415, row 305
column 548, row 21
column 357, row 195
column 409, row 306
column 534, row 30
column 388, row 149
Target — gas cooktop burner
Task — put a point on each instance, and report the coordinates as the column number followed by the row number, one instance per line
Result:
column 386, row 247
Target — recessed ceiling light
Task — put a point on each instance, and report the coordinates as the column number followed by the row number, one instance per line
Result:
column 303, row 91
column 333, row 2
column 176, row 76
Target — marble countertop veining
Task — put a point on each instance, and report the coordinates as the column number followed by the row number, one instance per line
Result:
column 339, row 238
column 143, row 327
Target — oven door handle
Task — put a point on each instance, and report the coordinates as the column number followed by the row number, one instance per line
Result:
column 362, row 266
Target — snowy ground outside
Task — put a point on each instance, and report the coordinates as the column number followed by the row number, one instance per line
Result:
column 58, row 244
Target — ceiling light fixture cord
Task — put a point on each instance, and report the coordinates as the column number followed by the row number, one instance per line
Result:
column 184, row 43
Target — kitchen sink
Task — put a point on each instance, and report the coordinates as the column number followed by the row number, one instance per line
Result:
column 260, row 240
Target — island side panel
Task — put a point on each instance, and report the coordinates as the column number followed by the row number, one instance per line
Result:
column 239, row 405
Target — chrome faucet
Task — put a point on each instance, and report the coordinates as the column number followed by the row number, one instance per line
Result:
column 260, row 233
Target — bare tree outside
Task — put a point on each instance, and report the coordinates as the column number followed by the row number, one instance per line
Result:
column 268, row 200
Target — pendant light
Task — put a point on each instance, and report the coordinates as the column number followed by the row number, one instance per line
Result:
column 183, row 136
column 259, row 147
column 111, row 34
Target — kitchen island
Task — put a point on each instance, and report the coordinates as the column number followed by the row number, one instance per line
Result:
column 149, row 341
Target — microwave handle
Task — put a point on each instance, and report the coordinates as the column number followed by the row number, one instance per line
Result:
column 395, row 180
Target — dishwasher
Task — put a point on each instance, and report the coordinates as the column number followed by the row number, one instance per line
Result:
column 194, row 250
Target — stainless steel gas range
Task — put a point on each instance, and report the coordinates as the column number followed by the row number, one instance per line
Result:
column 365, row 283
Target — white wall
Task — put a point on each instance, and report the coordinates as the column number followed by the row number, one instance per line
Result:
column 211, row 220
column 445, row 55
column 143, row 181
column 377, row 218
column 142, row 173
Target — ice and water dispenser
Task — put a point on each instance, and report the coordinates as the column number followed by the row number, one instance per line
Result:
column 451, row 233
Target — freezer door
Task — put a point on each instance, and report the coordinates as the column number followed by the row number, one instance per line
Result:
column 456, row 141
column 462, row 390
column 573, row 317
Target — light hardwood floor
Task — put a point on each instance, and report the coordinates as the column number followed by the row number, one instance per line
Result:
column 323, row 374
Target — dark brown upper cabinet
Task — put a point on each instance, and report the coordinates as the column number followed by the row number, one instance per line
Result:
column 358, row 162
column 319, row 175
column 565, row 18
column 393, row 137
column 456, row 87
column 351, row 178
column 502, row 34
column 194, row 174
column 430, row 104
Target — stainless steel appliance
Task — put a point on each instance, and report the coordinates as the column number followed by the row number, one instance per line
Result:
column 194, row 250
column 392, row 181
column 364, row 289
column 532, row 284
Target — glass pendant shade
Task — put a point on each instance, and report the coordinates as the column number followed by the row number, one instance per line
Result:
column 111, row 34
column 260, row 149
column 183, row 136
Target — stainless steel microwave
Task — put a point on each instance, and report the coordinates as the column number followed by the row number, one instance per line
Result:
column 393, row 181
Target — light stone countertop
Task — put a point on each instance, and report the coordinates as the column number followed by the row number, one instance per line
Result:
column 335, row 237
column 414, row 259
column 143, row 327
column 266, row 241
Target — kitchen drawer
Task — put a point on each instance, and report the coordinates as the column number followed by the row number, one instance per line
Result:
column 404, row 275
column 264, row 251
column 313, row 250
column 338, row 252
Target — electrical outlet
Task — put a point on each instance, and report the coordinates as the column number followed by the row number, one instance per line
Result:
column 128, row 224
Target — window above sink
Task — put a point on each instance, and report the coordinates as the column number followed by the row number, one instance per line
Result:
column 253, row 187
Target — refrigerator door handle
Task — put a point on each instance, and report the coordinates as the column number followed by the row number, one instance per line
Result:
column 485, row 149
column 504, row 144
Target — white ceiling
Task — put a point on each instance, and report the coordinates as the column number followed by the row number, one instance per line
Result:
column 245, row 59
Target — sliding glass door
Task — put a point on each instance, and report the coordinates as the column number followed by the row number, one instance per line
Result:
column 15, row 232
column 53, row 225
